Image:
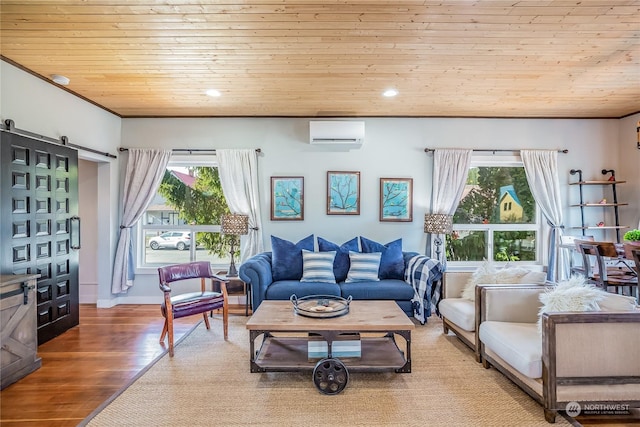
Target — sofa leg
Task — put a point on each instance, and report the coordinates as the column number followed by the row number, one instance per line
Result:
column 478, row 358
column 550, row 416
column 485, row 364
column 445, row 329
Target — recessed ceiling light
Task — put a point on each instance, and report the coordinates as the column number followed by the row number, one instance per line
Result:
column 213, row 92
column 390, row 93
column 61, row 80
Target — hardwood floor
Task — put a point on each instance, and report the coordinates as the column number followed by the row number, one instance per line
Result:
column 87, row 364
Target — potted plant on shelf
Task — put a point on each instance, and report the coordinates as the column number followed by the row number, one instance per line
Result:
column 631, row 239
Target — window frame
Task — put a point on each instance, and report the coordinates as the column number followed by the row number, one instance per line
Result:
column 140, row 228
column 489, row 229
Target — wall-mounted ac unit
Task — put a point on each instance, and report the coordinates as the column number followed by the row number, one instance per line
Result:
column 336, row 132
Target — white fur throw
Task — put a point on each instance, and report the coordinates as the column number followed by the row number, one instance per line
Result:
column 487, row 273
column 571, row 295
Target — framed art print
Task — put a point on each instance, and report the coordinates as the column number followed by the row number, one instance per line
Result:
column 287, row 198
column 396, row 199
column 343, row 193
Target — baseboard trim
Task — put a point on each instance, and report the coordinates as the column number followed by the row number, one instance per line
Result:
column 145, row 300
column 127, row 301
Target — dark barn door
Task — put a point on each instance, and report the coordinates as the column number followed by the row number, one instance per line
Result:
column 39, row 226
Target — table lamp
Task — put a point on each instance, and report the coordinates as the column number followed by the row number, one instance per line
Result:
column 438, row 224
column 234, row 225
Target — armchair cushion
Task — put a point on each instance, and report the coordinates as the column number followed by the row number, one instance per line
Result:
column 193, row 303
column 341, row 263
column 391, row 262
column 459, row 311
column 286, row 257
column 518, row 344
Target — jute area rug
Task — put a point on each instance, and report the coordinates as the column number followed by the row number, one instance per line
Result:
column 208, row 383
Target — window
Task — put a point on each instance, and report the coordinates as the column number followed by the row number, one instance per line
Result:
column 181, row 224
column 497, row 217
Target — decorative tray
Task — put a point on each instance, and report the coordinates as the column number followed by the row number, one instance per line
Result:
column 320, row 306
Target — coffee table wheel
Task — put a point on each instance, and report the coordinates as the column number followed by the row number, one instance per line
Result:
column 330, row 376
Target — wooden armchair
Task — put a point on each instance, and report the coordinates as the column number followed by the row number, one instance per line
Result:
column 462, row 316
column 187, row 304
column 584, row 357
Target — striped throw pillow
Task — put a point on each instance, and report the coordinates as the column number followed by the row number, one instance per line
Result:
column 364, row 267
column 318, row 266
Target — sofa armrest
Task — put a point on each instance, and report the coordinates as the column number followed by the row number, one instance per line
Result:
column 256, row 271
column 454, row 282
column 518, row 303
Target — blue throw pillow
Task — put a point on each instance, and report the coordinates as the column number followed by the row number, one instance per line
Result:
column 286, row 257
column 364, row 267
column 318, row 266
column 341, row 263
column 391, row 262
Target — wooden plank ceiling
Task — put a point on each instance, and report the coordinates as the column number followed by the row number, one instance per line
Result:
column 458, row 58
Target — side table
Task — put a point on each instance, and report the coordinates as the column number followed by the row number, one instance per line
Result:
column 235, row 287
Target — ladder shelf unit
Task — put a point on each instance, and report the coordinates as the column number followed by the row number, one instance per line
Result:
column 611, row 182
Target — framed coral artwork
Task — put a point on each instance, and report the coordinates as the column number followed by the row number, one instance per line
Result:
column 287, row 198
column 343, row 193
column 396, row 199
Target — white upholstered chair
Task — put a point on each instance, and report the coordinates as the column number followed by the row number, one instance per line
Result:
column 584, row 357
column 461, row 315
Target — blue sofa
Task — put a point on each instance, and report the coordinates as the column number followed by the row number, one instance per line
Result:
column 257, row 271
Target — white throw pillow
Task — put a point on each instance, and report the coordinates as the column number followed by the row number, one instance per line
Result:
column 615, row 302
column 534, row 277
column 570, row 295
column 487, row 273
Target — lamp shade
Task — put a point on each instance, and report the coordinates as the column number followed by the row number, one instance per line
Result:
column 235, row 224
column 438, row 223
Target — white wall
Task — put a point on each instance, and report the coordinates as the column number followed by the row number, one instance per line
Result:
column 629, row 165
column 393, row 148
column 40, row 107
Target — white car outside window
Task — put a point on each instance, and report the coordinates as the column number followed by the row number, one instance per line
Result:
column 179, row 240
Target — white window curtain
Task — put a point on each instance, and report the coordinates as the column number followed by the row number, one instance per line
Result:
column 145, row 169
column 541, row 168
column 450, row 171
column 238, row 170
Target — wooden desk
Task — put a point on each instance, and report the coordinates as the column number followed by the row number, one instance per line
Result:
column 235, row 287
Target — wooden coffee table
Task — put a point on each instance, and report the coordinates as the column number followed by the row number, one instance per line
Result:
column 286, row 335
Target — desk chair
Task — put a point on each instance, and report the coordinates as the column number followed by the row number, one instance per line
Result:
column 187, row 304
